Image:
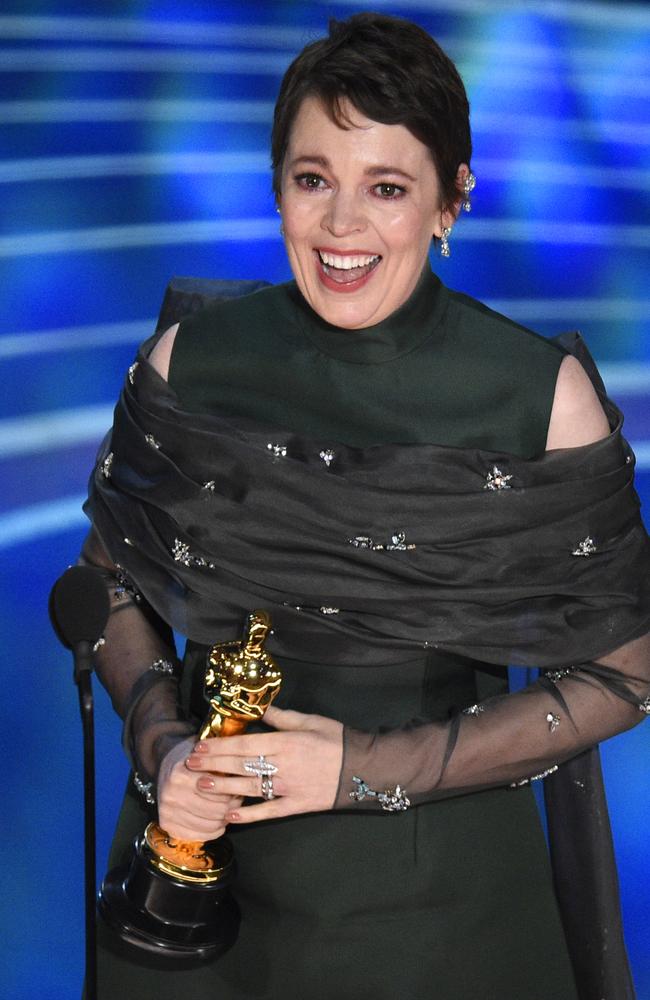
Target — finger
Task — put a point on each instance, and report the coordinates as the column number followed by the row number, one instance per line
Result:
column 222, row 761
column 263, row 810
column 247, row 746
column 287, row 719
column 217, row 786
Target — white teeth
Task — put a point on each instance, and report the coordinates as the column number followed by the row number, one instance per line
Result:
column 346, row 263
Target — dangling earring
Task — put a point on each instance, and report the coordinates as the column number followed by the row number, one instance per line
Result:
column 277, row 208
column 468, row 186
column 444, row 242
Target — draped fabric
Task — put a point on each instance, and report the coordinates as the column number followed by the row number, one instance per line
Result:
column 360, row 554
column 365, row 553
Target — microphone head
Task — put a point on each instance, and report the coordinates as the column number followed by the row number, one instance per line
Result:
column 79, row 606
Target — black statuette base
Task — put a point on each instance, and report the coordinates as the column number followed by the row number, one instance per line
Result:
column 162, row 915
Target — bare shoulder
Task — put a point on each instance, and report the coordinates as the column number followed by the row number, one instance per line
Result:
column 162, row 352
column 577, row 417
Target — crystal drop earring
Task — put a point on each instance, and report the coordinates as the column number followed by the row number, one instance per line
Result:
column 468, row 186
column 444, row 242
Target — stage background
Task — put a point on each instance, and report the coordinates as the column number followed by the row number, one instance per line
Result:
column 133, row 147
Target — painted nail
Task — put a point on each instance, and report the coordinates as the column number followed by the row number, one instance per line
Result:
column 194, row 762
column 206, row 782
column 201, row 748
column 233, row 817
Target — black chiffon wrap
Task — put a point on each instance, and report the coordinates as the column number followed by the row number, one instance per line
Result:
column 377, row 551
column 365, row 554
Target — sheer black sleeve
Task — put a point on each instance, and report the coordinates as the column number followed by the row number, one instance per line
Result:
column 137, row 664
column 506, row 740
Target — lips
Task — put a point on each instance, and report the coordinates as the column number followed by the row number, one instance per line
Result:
column 345, row 272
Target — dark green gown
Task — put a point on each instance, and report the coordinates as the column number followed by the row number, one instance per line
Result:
column 450, row 900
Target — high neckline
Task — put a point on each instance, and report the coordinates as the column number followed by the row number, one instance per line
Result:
column 398, row 334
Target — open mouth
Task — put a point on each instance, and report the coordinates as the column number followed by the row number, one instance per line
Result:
column 346, row 269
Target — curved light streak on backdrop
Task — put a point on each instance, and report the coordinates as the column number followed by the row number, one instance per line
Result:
column 134, row 146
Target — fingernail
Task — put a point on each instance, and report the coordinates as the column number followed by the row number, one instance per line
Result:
column 200, row 748
column 206, row 782
column 233, row 817
column 194, row 762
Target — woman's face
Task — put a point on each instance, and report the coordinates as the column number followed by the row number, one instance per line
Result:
column 359, row 209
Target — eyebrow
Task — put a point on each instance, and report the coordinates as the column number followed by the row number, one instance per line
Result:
column 378, row 171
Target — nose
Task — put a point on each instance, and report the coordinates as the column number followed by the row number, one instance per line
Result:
column 344, row 214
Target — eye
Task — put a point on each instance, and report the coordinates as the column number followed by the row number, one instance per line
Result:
column 389, row 191
column 310, row 182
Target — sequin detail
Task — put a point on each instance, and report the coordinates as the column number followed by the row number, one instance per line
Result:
column 644, row 706
column 132, row 371
column 162, row 667
column 474, row 710
column 497, row 480
column 362, row 542
column 391, row 800
column 397, row 543
column 278, row 450
column 210, row 486
column 145, row 788
column 328, row 456
column 557, row 675
column 107, row 466
column 553, row 721
column 124, row 586
column 534, row 777
column 183, row 554
column 585, row 548
column 329, row 611
column 150, row 439
column 127, row 541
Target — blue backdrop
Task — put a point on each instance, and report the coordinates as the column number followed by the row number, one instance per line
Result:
column 133, row 147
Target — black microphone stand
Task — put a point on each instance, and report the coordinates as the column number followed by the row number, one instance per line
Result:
column 83, row 679
column 79, row 609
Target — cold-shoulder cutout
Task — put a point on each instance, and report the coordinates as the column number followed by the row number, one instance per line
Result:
column 577, row 418
column 160, row 357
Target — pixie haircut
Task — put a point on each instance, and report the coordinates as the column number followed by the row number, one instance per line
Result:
column 394, row 73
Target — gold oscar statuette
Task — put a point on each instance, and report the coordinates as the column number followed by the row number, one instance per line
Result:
column 174, row 898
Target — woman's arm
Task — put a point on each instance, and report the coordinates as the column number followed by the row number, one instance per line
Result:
column 137, row 665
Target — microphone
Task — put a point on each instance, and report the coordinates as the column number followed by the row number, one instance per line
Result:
column 79, row 608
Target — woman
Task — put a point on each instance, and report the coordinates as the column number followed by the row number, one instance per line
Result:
column 383, row 465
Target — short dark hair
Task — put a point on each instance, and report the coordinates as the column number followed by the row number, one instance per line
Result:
column 391, row 71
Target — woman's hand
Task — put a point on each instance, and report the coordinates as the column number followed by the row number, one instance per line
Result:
column 307, row 751
column 184, row 811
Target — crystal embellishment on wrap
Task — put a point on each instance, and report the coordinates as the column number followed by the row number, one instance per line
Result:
column 183, row 554
column 585, row 548
column 497, row 480
column 107, row 465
